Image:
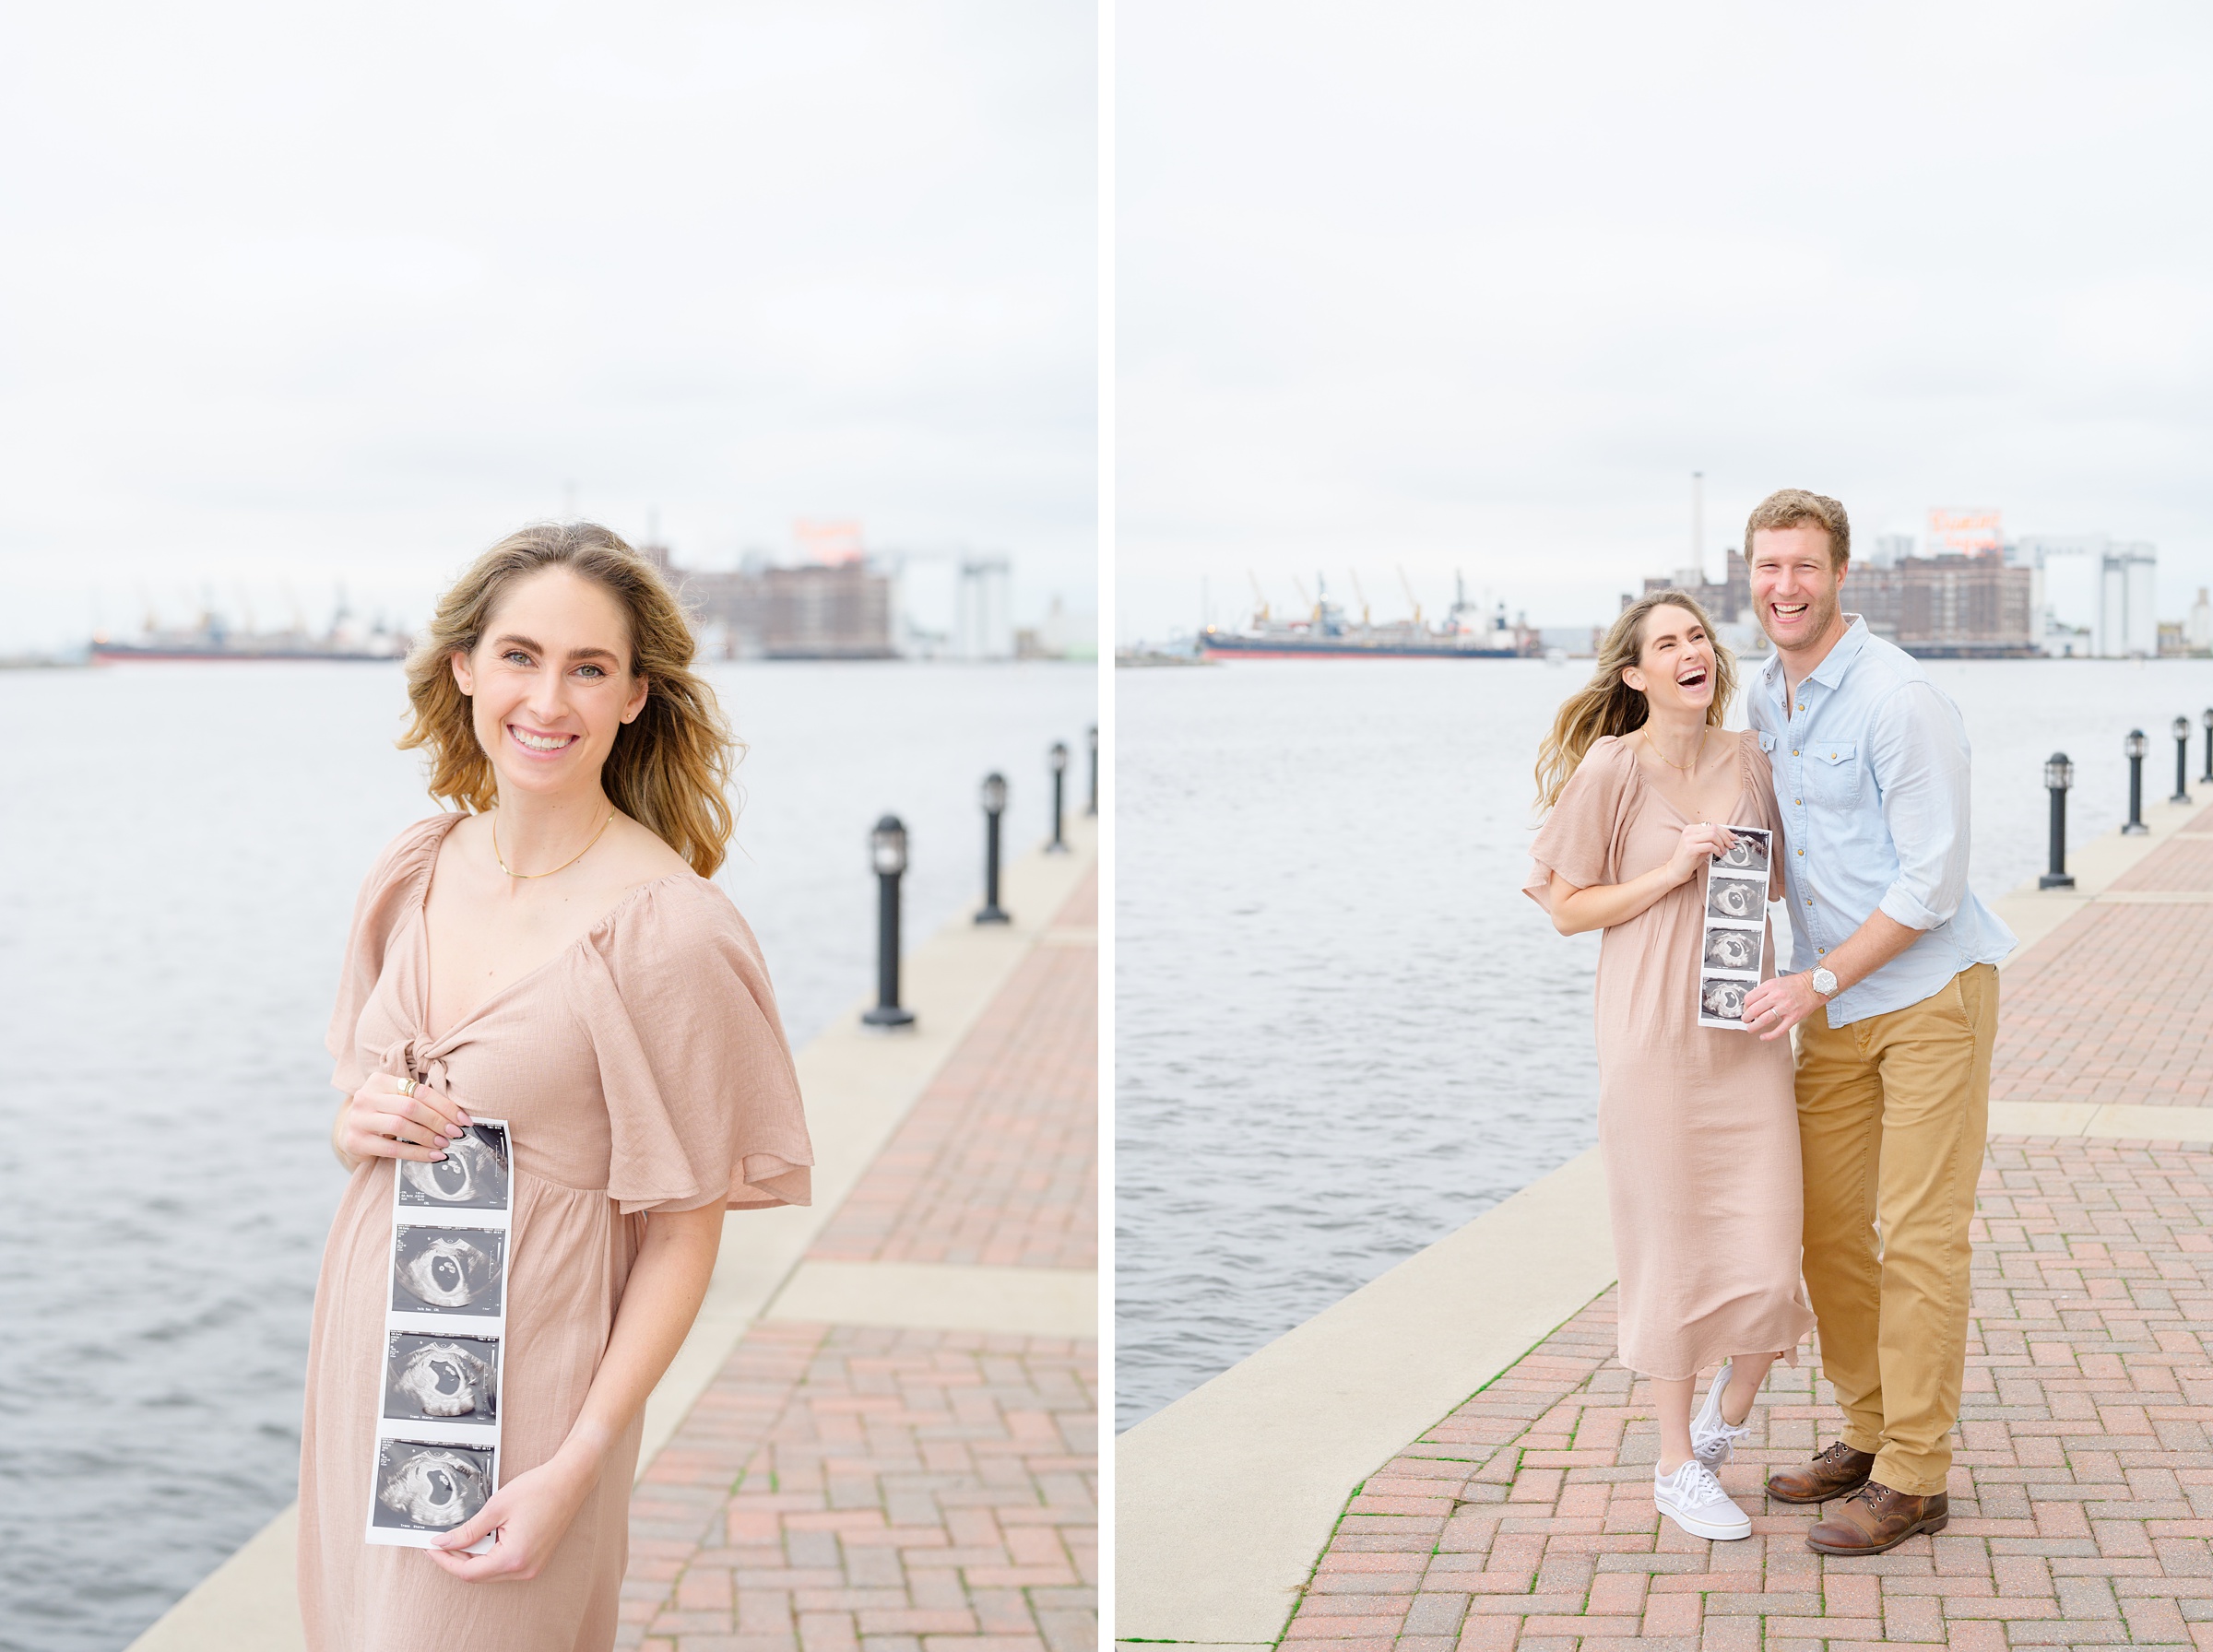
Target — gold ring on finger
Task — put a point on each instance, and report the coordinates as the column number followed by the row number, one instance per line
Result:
column 406, row 1087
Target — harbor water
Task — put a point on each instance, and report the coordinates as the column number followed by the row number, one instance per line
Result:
column 1342, row 1030
column 184, row 843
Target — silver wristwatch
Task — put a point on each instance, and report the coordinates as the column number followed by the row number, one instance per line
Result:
column 1824, row 983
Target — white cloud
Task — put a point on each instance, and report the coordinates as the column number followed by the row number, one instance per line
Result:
column 1466, row 287
column 292, row 293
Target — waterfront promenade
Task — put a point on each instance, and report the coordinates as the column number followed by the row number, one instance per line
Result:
column 881, row 1429
column 1519, row 1515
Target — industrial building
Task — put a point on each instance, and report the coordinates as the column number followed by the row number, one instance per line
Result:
column 1953, row 607
column 2094, row 595
column 815, row 611
column 842, row 605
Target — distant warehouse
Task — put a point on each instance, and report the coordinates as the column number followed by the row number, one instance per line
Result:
column 837, row 611
column 1950, row 606
column 1947, row 606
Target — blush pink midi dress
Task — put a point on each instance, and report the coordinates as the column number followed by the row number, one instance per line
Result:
column 1698, row 1127
column 643, row 1068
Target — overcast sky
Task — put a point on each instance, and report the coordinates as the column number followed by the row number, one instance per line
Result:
column 1480, row 286
column 304, row 293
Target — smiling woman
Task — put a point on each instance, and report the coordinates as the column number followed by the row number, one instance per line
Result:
column 555, row 956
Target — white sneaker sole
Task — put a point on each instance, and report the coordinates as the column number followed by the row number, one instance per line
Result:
column 1701, row 1528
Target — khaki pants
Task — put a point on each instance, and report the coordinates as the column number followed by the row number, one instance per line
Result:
column 1892, row 1116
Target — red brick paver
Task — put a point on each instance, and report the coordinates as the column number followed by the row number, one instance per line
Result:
column 909, row 1483
column 850, row 1489
column 998, row 1164
column 2082, row 1487
column 1080, row 910
column 2117, row 1005
column 2082, row 1495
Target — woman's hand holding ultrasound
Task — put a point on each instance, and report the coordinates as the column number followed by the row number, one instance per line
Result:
column 381, row 1121
column 1701, row 843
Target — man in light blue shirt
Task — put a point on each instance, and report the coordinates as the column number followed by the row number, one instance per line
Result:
column 1894, row 990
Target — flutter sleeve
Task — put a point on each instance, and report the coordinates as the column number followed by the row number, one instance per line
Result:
column 703, row 1099
column 1580, row 838
column 378, row 910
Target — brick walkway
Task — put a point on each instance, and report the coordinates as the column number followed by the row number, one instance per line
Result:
column 840, row 1487
column 2082, row 1489
column 998, row 1164
column 2117, row 1003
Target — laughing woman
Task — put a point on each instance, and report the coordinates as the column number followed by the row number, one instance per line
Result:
column 1697, row 1126
column 555, row 955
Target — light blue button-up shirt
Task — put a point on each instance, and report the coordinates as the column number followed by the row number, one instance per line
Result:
column 1871, row 773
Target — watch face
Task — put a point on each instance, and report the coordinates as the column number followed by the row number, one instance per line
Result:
column 1824, row 983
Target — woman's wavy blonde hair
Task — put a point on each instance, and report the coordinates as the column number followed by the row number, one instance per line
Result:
column 1607, row 706
column 670, row 767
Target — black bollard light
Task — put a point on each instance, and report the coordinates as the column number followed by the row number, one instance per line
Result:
column 2206, row 718
column 2180, row 728
column 2135, row 746
column 995, row 805
column 1059, row 761
column 2059, row 774
column 1091, row 808
column 887, row 852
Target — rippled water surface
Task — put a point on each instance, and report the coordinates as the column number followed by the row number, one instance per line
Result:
column 1341, row 1030
column 184, row 846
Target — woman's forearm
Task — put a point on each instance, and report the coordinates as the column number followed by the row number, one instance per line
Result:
column 666, row 1284
column 1603, row 905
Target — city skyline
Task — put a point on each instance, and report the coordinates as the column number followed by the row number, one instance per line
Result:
column 733, row 269
column 1440, row 288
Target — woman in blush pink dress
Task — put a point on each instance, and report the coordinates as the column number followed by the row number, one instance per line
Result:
column 1698, row 1125
column 556, row 956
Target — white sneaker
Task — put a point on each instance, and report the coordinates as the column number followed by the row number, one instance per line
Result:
column 1694, row 1500
column 1713, row 1440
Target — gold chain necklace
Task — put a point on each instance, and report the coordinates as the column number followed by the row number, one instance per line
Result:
column 1687, row 768
column 573, row 859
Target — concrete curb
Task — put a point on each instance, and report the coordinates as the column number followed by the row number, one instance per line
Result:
column 943, row 1296
column 1225, row 1498
column 860, row 1084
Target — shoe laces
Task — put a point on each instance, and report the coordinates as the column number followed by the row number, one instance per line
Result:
column 1695, row 1484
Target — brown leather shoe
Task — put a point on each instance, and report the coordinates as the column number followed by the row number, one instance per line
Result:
column 1837, row 1472
column 1878, row 1520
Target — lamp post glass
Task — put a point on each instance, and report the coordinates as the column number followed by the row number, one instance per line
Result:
column 994, row 800
column 887, row 847
column 2059, row 775
column 2134, row 747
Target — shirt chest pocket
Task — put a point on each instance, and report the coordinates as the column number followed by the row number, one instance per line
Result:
column 1832, row 773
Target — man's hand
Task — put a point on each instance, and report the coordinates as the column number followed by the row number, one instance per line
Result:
column 1773, row 1008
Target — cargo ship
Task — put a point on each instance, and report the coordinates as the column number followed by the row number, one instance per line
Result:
column 212, row 639
column 1327, row 632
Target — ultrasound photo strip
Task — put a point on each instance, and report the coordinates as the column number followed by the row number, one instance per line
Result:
column 1748, row 854
column 1732, row 947
column 442, row 1362
column 1742, row 899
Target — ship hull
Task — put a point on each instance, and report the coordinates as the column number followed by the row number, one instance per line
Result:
column 108, row 653
column 1240, row 648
